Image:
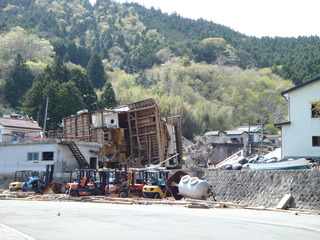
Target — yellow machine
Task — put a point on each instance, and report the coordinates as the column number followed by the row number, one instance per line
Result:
column 19, row 178
column 154, row 191
column 156, row 188
column 15, row 186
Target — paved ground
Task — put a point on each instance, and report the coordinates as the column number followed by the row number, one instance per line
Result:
column 46, row 220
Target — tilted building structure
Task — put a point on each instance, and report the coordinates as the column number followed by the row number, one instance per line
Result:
column 134, row 133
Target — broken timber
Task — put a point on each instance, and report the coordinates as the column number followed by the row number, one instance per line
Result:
column 133, row 133
column 146, row 131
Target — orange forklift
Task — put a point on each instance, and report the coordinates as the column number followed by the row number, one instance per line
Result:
column 85, row 182
column 124, row 183
column 117, row 185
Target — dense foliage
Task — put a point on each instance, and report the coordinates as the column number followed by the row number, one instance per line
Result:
column 216, row 78
column 59, row 85
column 208, row 97
column 96, row 72
column 17, row 82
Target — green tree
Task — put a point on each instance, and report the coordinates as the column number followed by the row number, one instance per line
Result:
column 66, row 58
column 68, row 92
column 34, row 103
column 59, row 72
column 69, row 101
column 85, row 88
column 17, row 82
column 107, row 98
column 30, row 46
column 96, row 71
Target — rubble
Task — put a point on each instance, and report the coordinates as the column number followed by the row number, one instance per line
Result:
column 188, row 203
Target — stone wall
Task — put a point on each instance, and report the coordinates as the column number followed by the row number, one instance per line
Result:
column 266, row 188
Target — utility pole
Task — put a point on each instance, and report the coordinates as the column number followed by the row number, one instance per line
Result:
column 45, row 115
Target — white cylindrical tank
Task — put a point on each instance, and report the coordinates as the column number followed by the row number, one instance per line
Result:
column 193, row 187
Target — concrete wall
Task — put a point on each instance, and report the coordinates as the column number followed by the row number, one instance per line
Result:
column 266, row 188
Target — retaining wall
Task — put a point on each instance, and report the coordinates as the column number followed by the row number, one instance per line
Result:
column 266, row 188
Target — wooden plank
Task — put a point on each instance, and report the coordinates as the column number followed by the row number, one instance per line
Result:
column 129, row 116
column 159, row 136
column 138, row 135
column 285, row 202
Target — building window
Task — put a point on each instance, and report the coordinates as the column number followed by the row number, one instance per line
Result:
column 316, row 141
column 33, row 156
column 106, row 136
column 315, row 110
column 47, row 156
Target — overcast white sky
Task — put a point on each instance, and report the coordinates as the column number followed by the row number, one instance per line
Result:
column 284, row 18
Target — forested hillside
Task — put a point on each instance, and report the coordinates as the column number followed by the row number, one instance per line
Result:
column 82, row 56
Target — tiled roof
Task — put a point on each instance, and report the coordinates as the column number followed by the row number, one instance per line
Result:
column 19, row 123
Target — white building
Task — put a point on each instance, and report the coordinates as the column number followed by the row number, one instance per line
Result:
column 23, row 148
column 301, row 133
column 36, row 154
column 15, row 129
column 255, row 132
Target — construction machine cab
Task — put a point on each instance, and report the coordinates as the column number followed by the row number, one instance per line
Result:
column 155, row 187
column 19, row 178
column 39, row 180
column 84, row 182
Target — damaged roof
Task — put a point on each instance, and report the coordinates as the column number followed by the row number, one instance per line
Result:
column 253, row 128
column 216, row 133
column 19, row 123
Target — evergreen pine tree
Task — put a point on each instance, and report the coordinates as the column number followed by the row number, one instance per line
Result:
column 68, row 92
column 66, row 58
column 17, row 82
column 96, row 71
column 85, row 88
column 69, row 102
column 107, row 98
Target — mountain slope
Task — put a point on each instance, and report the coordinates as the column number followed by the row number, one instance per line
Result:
column 216, row 78
column 129, row 35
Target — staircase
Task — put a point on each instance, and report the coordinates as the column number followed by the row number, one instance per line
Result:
column 76, row 153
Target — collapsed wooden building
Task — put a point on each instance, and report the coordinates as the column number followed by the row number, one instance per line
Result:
column 134, row 134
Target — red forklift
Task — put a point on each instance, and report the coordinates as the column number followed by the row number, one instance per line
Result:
column 85, row 182
column 124, row 183
column 117, row 185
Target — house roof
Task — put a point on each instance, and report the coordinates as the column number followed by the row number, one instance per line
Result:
column 282, row 124
column 216, row 133
column 253, row 128
column 19, row 123
column 300, row 85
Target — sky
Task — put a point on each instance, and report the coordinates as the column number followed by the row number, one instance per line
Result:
column 283, row 18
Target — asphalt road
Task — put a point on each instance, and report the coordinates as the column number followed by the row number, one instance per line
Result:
column 49, row 220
